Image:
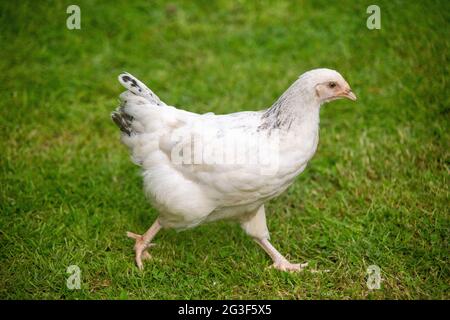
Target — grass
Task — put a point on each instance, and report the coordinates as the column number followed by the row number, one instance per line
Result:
column 376, row 192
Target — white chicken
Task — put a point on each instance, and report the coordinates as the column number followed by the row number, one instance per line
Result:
column 256, row 155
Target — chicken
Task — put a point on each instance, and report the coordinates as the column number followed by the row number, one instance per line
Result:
column 199, row 168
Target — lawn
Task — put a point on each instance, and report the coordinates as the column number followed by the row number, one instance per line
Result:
column 376, row 192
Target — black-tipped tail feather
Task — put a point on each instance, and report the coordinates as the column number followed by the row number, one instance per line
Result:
column 123, row 121
column 138, row 88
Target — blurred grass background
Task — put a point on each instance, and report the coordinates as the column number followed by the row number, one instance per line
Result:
column 375, row 193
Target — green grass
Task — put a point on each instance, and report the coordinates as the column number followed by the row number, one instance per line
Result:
column 376, row 192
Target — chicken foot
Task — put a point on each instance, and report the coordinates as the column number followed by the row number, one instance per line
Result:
column 256, row 227
column 143, row 242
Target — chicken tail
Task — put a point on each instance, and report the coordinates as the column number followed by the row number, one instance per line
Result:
column 137, row 94
column 138, row 88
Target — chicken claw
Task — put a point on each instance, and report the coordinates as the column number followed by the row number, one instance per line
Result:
column 285, row 265
column 140, row 248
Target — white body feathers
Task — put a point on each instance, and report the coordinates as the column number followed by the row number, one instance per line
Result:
column 188, row 194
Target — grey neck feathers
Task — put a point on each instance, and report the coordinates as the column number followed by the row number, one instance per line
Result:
column 296, row 104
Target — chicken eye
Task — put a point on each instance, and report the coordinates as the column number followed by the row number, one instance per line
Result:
column 332, row 85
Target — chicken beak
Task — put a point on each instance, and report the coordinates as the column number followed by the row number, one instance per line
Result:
column 349, row 95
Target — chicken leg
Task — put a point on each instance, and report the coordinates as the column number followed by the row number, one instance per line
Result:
column 143, row 242
column 256, row 227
